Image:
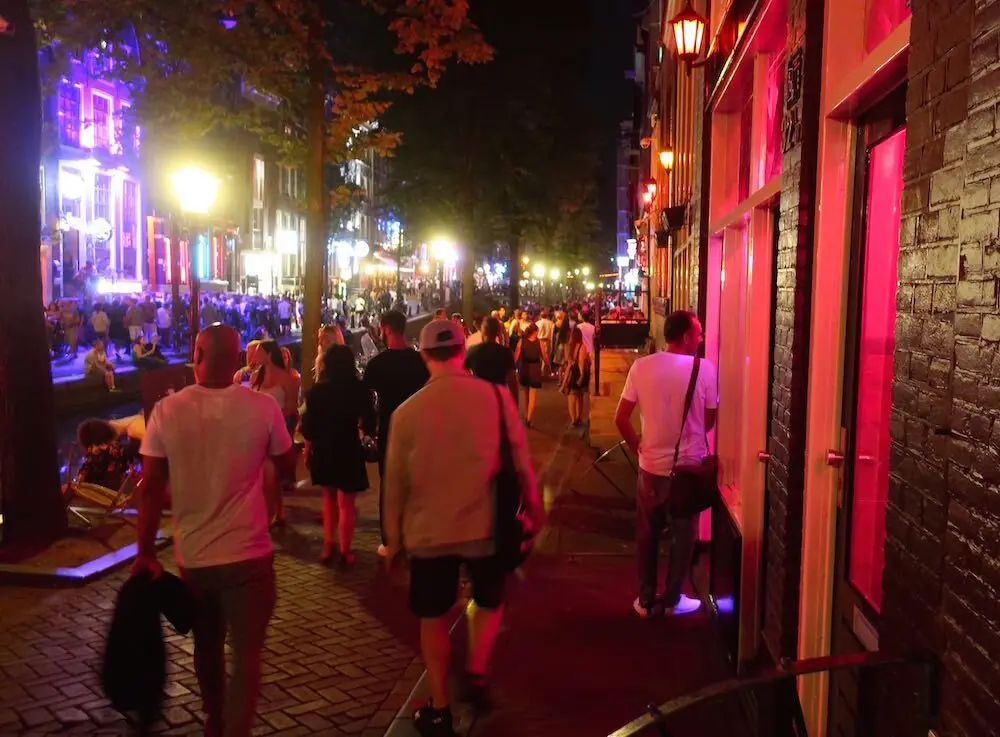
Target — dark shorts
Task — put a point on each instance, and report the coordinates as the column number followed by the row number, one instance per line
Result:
column 434, row 584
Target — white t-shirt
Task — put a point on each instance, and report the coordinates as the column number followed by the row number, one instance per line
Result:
column 284, row 310
column 658, row 384
column 546, row 328
column 216, row 442
column 100, row 321
column 587, row 331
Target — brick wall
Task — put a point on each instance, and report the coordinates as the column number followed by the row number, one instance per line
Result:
column 942, row 573
column 791, row 328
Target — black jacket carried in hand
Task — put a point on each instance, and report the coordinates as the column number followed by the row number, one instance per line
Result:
column 135, row 656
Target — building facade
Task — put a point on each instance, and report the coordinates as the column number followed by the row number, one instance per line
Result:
column 836, row 164
column 92, row 192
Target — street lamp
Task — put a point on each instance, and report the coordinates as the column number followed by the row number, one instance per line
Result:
column 667, row 159
column 195, row 190
column 689, row 33
column 443, row 251
column 555, row 273
column 539, row 271
column 585, row 271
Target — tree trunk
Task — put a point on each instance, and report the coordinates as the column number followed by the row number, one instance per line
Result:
column 315, row 220
column 514, row 271
column 29, row 472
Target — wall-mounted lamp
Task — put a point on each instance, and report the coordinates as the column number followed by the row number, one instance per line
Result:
column 689, row 34
column 667, row 159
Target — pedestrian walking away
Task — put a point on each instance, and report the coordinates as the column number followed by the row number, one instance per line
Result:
column 444, row 456
column 215, row 437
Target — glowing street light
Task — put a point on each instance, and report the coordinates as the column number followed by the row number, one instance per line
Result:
column 539, row 271
column 525, row 260
column 585, row 271
column 554, row 274
column 443, row 249
column 195, row 190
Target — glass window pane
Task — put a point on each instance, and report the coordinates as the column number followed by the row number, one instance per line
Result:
column 875, row 368
column 882, row 18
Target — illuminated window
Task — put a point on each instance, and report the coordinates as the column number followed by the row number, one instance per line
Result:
column 258, row 181
column 102, row 196
column 876, row 351
column 102, row 121
column 69, row 114
column 882, row 17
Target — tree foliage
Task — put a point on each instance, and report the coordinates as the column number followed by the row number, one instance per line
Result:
column 503, row 152
column 242, row 65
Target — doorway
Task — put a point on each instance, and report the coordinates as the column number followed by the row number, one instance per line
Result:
column 867, row 403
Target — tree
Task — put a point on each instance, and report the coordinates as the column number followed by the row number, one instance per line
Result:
column 29, row 478
column 320, row 87
column 503, row 152
column 187, row 64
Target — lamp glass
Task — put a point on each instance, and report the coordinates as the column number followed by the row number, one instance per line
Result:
column 195, row 190
column 667, row 159
column 689, row 33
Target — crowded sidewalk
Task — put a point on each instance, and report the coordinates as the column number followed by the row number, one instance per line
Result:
column 574, row 659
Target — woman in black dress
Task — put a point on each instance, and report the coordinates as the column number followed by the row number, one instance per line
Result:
column 338, row 409
column 528, row 358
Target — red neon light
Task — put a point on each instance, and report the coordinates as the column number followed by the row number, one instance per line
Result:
column 875, row 369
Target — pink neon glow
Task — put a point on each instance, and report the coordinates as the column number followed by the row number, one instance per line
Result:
column 775, row 110
column 875, row 368
column 882, row 18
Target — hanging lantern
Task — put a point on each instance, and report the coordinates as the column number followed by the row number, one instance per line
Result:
column 689, row 33
column 667, row 159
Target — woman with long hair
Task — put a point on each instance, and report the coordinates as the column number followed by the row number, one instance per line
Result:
column 275, row 378
column 576, row 375
column 339, row 408
column 528, row 359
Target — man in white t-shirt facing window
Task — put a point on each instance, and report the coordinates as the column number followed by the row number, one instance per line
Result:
column 657, row 385
column 213, row 439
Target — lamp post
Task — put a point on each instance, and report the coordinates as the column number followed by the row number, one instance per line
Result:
column 196, row 191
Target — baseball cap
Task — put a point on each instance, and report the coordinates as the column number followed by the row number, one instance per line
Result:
column 441, row 334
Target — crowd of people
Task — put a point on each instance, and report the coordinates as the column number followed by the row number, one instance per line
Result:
column 443, row 423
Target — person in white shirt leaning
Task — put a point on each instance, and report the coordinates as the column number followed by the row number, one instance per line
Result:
column 657, row 385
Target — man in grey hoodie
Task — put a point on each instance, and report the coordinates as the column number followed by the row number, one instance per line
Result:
column 443, row 457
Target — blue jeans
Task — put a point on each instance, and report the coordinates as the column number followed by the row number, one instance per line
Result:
column 653, row 517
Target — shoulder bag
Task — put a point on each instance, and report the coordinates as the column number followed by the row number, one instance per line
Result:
column 513, row 543
column 693, row 488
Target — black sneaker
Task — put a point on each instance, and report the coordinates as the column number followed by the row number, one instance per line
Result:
column 476, row 693
column 431, row 722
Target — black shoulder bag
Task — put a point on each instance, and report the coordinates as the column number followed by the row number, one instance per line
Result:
column 513, row 543
column 693, row 488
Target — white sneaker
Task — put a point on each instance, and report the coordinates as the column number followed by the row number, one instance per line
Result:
column 382, row 551
column 685, row 605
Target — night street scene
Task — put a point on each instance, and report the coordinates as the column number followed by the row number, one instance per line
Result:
column 500, row 368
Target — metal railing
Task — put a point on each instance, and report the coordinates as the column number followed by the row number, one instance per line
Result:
column 785, row 713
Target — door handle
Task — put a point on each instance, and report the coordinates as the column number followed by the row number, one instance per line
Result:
column 834, row 458
column 763, row 456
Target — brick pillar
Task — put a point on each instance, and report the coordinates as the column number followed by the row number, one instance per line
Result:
column 791, row 331
column 942, row 566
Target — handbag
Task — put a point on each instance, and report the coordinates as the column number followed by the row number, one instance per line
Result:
column 513, row 543
column 693, row 488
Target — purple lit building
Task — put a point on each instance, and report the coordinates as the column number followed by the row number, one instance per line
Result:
column 92, row 194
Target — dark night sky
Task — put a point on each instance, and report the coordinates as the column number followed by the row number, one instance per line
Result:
column 611, row 54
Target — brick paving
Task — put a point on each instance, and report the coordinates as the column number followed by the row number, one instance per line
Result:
column 341, row 657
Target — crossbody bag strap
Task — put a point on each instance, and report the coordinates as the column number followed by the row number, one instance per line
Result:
column 688, row 399
column 506, row 454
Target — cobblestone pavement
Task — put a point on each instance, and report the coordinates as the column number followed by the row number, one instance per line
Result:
column 341, row 656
